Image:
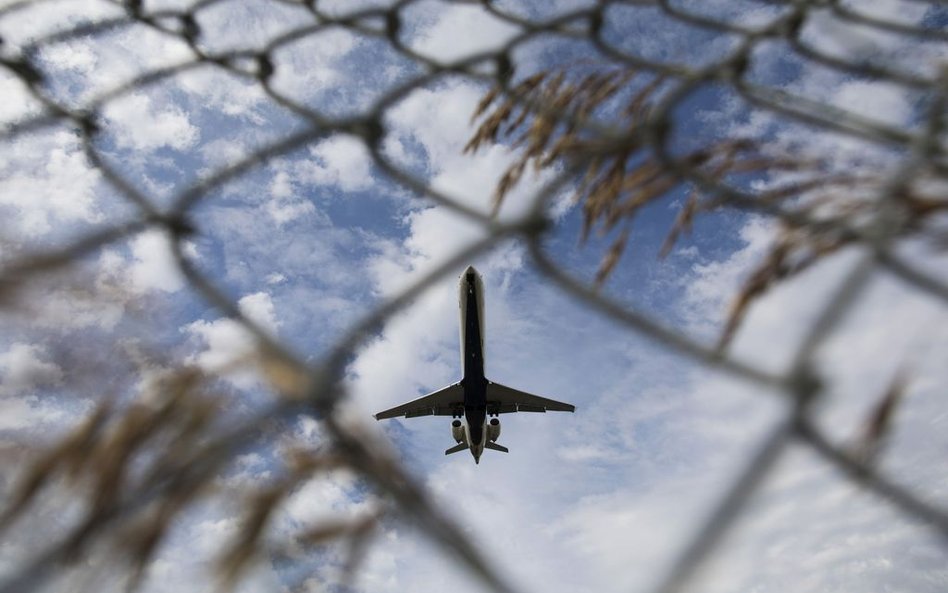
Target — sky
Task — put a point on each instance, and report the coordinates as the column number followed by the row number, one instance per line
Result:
column 314, row 239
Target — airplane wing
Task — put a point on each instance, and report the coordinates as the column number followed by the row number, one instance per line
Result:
column 502, row 399
column 448, row 401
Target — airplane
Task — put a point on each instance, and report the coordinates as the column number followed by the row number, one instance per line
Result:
column 474, row 398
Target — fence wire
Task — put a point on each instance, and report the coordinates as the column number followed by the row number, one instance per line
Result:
column 131, row 510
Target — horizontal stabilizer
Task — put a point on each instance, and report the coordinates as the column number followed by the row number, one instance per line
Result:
column 456, row 449
column 448, row 401
column 502, row 399
column 496, row 447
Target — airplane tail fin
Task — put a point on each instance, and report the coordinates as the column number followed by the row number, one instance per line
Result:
column 496, row 447
column 456, row 449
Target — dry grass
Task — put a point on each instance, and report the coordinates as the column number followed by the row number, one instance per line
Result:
column 550, row 118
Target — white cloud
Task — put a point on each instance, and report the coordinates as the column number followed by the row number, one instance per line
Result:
column 259, row 308
column 857, row 43
column 222, row 152
column 22, row 368
column 153, row 265
column 140, row 124
column 341, row 161
column 608, row 533
column 711, row 287
column 93, row 298
column 458, row 31
column 48, row 182
column 439, row 121
column 18, row 103
column 885, row 103
column 64, row 311
column 340, row 8
column 245, row 24
column 76, row 56
column 310, row 68
column 285, row 204
column 196, row 541
column 281, row 187
column 39, row 20
column 326, row 498
column 29, row 413
column 226, row 94
column 82, row 68
column 229, row 347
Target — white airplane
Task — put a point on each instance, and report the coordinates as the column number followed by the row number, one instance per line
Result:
column 474, row 398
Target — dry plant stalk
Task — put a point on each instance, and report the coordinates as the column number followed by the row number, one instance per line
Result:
column 877, row 425
column 139, row 466
column 260, row 506
column 557, row 116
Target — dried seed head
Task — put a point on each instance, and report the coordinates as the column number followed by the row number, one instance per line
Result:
column 612, row 258
column 878, row 423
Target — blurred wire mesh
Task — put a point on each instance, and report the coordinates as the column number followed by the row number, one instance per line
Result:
column 605, row 120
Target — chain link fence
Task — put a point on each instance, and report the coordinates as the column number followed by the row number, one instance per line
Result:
column 606, row 119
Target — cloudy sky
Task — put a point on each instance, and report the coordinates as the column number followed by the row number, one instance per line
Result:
column 314, row 239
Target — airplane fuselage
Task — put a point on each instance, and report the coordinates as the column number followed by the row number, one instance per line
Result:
column 474, row 382
column 474, row 401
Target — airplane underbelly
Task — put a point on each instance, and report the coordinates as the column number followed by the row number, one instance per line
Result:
column 472, row 330
column 475, row 425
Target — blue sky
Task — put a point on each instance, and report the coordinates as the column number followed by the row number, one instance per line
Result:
column 309, row 242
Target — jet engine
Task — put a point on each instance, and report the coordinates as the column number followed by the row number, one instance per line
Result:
column 457, row 431
column 493, row 430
